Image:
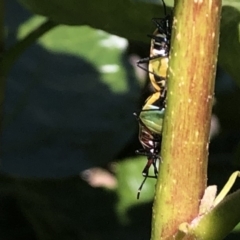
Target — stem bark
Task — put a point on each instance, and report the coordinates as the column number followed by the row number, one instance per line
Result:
column 191, row 77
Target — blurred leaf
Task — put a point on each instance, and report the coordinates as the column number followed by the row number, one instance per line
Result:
column 229, row 51
column 129, row 175
column 237, row 228
column 66, row 208
column 119, row 17
column 129, row 15
column 69, row 102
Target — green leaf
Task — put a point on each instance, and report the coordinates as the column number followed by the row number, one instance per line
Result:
column 220, row 221
column 73, row 104
column 129, row 175
column 229, row 51
column 124, row 18
column 131, row 20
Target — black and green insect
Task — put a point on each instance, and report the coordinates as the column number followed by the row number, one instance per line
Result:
column 150, row 129
column 159, row 51
column 152, row 114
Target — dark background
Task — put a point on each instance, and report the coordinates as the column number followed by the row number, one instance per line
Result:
column 63, row 117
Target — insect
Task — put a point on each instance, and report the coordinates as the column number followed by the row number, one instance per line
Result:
column 151, row 146
column 152, row 113
column 159, row 53
column 151, row 116
column 150, row 128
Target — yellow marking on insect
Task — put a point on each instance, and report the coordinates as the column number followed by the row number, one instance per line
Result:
column 151, row 100
column 159, row 67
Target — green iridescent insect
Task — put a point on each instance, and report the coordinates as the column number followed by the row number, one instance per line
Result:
column 152, row 114
column 150, row 134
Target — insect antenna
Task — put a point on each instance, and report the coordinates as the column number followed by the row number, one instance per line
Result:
column 165, row 8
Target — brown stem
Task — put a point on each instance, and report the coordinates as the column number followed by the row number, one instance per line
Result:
column 183, row 173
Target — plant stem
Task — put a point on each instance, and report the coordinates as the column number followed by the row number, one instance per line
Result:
column 183, row 174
